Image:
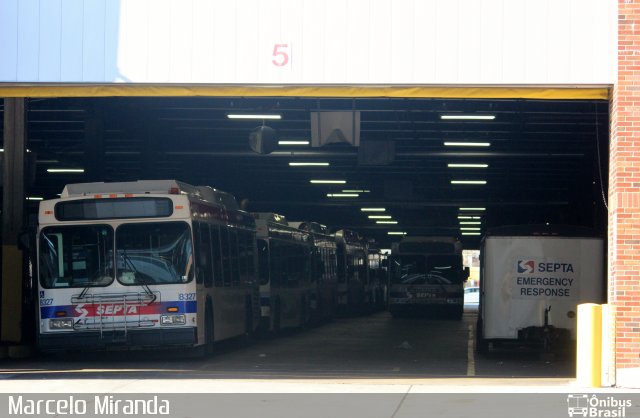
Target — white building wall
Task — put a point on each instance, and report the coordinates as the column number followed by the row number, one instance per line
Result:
column 381, row 42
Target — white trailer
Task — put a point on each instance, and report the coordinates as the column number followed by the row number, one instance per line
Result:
column 532, row 279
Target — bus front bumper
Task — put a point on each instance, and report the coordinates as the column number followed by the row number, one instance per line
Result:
column 118, row 339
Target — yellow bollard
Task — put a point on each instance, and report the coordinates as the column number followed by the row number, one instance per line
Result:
column 589, row 346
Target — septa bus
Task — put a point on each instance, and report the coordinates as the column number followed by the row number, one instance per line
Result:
column 284, row 259
column 426, row 276
column 324, row 290
column 353, row 272
column 151, row 264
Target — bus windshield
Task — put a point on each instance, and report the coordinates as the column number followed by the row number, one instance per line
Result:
column 426, row 270
column 76, row 256
column 154, row 253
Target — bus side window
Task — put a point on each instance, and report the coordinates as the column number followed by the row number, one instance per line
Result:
column 205, row 242
column 233, row 244
column 341, row 266
column 226, row 256
column 198, row 251
column 216, row 255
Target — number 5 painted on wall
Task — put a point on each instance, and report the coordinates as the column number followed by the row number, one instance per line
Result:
column 280, row 55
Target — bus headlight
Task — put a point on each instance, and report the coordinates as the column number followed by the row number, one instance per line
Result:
column 66, row 323
column 173, row 319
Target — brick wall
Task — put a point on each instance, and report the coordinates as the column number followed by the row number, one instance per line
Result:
column 624, row 197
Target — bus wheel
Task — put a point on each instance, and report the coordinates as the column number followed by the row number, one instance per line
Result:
column 208, row 330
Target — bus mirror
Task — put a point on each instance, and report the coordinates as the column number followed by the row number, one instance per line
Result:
column 467, row 273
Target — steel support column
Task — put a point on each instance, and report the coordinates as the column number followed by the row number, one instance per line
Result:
column 12, row 218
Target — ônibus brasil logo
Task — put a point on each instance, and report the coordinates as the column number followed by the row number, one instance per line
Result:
column 592, row 406
column 526, row 266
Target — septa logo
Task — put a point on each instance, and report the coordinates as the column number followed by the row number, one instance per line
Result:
column 526, row 266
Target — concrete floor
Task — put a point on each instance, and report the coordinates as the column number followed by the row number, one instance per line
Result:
column 371, row 350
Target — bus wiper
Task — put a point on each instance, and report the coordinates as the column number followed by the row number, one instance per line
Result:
column 138, row 275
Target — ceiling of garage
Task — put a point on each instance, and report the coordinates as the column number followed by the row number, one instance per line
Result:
column 543, row 161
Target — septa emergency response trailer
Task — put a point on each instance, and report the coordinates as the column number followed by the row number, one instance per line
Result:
column 532, row 279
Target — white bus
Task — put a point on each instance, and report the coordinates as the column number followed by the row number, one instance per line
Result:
column 150, row 264
column 426, row 276
column 284, row 259
column 353, row 272
column 324, row 272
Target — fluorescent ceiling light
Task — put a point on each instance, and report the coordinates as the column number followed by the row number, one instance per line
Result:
column 474, row 209
column 2, row 150
column 396, row 233
column 387, row 222
column 467, row 144
column 248, row 116
column 293, row 142
column 35, row 198
column 470, row 229
column 309, row 164
column 65, row 170
column 468, row 217
column 373, row 209
column 467, row 117
column 356, row 191
column 467, row 165
column 468, row 182
column 471, row 233
column 471, row 223
column 328, row 181
column 379, row 216
column 342, row 195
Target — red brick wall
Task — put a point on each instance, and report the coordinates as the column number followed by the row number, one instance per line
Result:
column 624, row 190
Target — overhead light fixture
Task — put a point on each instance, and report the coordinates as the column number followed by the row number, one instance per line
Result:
column 396, row 233
column 468, row 182
column 342, row 195
column 470, row 229
column 250, row 116
column 65, row 170
column 468, row 217
column 309, row 164
column 387, row 222
column 467, row 117
column 470, row 233
column 379, row 216
column 287, row 142
column 35, row 198
column 471, row 223
column 473, row 209
column 467, row 165
column 327, row 181
column 467, row 144
column 356, row 191
column 373, row 209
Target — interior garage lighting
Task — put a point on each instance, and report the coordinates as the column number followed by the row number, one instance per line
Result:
column 468, row 182
column 379, row 216
column 467, row 144
column 467, row 117
column 372, row 209
column 471, row 223
column 471, row 233
column 328, row 181
column 396, row 233
column 342, row 195
column 467, row 165
column 474, row 209
column 35, row 198
column 248, row 116
column 387, row 222
column 470, row 229
column 468, row 217
column 309, row 164
column 356, row 191
column 65, row 170
column 293, row 142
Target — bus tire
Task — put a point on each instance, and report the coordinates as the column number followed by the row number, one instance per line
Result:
column 208, row 330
